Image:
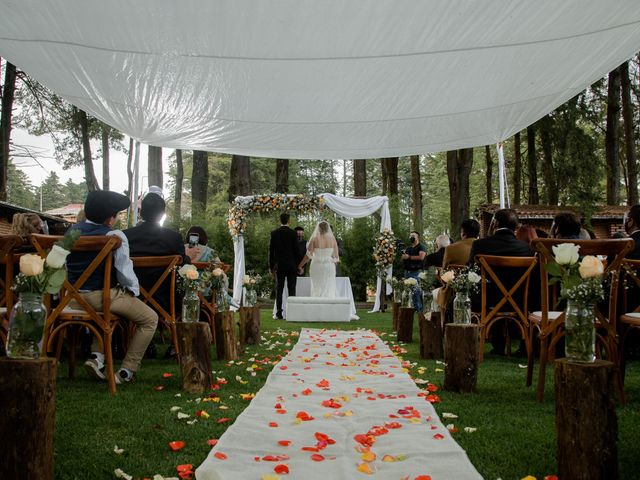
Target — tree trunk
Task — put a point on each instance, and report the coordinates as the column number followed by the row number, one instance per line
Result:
column 551, row 188
column 586, row 422
column 392, row 175
column 629, row 137
column 226, row 342
column 459, row 163
column 27, row 396
column 199, row 184
column 178, row 193
column 395, row 315
column 489, row 160
column 249, row 325
column 517, row 169
column 89, row 173
column 385, row 177
column 416, row 193
column 106, row 132
column 194, row 345
column 431, row 336
column 611, row 140
column 461, row 357
column 405, row 325
column 360, row 177
column 239, row 176
column 155, row 166
column 532, row 163
column 282, row 175
column 8, row 93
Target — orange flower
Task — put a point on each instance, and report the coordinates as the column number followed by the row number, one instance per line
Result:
column 176, row 445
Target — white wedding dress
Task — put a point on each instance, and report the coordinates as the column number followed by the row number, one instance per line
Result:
column 323, row 273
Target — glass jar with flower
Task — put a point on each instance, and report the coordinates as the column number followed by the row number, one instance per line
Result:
column 191, row 284
column 251, row 284
column 464, row 283
column 218, row 282
column 397, row 285
column 427, row 280
column 581, row 286
column 37, row 277
column 410, row 286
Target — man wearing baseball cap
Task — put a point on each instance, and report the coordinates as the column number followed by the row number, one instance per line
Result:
column 101, row 208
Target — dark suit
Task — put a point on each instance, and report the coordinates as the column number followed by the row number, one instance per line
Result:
column 434, row 259
column 635, row 253
column 148, row 239
column 283, row 252
column 504, row 244
column 302, row 251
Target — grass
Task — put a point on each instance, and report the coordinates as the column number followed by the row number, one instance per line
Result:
column 514, row 438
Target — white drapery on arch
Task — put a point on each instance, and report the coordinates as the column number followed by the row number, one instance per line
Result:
column 347, row 207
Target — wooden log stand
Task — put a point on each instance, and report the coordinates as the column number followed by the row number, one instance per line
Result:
column 586, row 422
column 395, row 315
column 226, row 341
column 194, row 343
column 405, row 325
column 27, row 396
column 431, row 336
column 249, row 326
column 461, row 357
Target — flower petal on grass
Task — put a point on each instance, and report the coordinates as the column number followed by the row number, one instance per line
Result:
column 176, row 445
column 120, row 474
column 118, row 451
column 167, row 375
column 212, row 442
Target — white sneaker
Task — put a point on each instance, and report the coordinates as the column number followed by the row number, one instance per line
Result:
column 95, row 368
column 125, row 376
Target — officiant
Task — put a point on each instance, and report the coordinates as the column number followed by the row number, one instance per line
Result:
column 413, row 257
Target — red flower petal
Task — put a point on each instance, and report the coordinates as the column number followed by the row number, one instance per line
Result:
column 273, row 424
column 423, row 477
column 167, row 375
column 176, row 445
column 316, row 457
column 158, row 388
column 281, row 469
column 184, row 467
column 212, row 442
column 220, row 456
column 284, row 443
column 224, row 420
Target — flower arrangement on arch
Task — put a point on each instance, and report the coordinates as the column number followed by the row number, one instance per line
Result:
column 45, row 275
column 384, row 252
column 465, row 281
column 580, row 280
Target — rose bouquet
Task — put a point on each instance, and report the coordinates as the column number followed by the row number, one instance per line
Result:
column 465, row 281
column 251, row 284
column 191, row 283
column 384, row 252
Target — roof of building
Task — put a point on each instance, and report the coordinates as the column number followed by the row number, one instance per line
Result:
column 10, row 207
column 71, row 209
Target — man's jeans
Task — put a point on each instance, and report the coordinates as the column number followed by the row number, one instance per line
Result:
column 417, row 292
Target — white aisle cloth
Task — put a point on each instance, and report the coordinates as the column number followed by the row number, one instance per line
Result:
column 303, row 289
column 366, row 384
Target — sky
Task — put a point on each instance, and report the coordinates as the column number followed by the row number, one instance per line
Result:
column 42, row 147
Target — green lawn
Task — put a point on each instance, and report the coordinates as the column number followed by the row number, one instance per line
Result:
column 514, row 437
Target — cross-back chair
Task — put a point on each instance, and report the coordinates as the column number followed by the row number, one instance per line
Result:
column 509, row 278
column 549, row 321
column 8, row 259
column 101, row 323
column 630, row 318
column 166, row 267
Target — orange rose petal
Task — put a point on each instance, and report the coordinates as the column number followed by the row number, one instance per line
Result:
column 316, row 457
column 365, row 468
column 223, row 420
column 176, row 445
column 212, row 442
column 423, row 477
column 220, row 456
column 284, row 443
column 184, row 467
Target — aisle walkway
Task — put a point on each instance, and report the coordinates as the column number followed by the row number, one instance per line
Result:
column 338, row 406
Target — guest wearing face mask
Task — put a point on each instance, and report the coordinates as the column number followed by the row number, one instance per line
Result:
column 413, row 257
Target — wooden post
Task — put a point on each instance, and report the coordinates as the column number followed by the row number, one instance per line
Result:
column 249, row 325
column 395, row 315
column 383, row 295
column 27, row 396
column 461, row 356
column 431, row 336
column 242, row 326
column 586, row 422
column 226, row 342
column 194, row 343
column 405, row 325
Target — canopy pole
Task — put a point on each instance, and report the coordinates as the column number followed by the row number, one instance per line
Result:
column 501, row 173
column 136, row 171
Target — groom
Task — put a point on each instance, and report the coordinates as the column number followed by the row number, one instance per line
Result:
column 283, row 250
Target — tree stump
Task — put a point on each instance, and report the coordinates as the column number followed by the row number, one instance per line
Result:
column 586, row 422
column 249, row 325
column 27, row 396
column 226, row 341
column 431, row 336
column 405, row 325
column 194, row 343
column 395, row 315
column 461, row 357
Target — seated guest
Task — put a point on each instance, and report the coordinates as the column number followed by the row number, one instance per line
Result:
column 101, row 209
column 196, row 246
column 566, row 225
column 458, row 253
column 501, row 241
column 435, row 259
column 527, row 233
column 631, row 223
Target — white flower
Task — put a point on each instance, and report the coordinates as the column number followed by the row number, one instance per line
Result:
column 183, row 271
column 410, row 282
column 473, row 277
column 31, row 265
column 566, row 253
column 57, row 256
column 591, row 266
column 448, row 276
column 422, row 275
column 217, row 272
column 246, row 280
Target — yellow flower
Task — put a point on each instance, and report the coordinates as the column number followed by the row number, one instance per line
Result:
column 31, row 265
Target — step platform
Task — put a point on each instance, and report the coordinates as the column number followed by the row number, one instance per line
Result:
column 318, row 309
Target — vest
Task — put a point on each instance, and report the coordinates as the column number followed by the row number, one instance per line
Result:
column 77, row 262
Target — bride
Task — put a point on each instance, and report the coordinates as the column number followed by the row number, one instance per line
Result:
column 322, row 250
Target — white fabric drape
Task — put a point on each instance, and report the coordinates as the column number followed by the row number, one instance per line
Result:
column 347, row 207
column 309, row 79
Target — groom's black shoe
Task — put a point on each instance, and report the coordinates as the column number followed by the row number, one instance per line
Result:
column 279, row 316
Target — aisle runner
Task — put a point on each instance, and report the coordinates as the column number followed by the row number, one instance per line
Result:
column 338, row 406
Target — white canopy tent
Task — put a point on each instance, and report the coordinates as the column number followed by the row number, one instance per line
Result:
column 310, row 79
column 347, row 207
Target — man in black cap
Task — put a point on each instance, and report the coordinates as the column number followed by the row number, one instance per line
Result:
column 101, row 209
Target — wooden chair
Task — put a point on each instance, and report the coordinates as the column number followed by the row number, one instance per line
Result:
column 8, row 258
column 549, row 322
column 630, row 319
column 166, row 266
column 514, row 292
column 101, row 324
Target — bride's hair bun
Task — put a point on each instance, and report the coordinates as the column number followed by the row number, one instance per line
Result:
column 323, row 227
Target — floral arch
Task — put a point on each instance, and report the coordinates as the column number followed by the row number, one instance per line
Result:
column 243, row 207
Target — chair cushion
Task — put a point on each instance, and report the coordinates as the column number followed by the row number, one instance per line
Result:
column 536, row 317
column 632, row 318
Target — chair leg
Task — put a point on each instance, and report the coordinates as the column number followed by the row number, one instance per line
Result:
column 174, row 340
column 530, row 357
column 542, row 371
column 108, row 363
column 483, row 334
column 72, row 340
